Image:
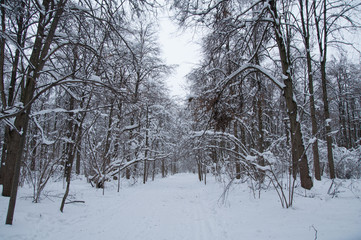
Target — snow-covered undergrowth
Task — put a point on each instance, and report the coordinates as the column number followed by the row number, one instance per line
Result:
column 180, row 207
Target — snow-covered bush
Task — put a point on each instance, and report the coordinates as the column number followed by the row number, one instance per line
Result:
column 347, row 162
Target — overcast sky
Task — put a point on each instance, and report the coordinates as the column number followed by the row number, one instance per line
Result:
column 179, row 47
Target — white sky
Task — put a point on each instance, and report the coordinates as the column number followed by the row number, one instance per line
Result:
column 179, row 48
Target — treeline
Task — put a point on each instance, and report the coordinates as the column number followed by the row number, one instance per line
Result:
column 269, row 98
column 82, row 92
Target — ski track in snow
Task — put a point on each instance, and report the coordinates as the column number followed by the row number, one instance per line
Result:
column 178, row 208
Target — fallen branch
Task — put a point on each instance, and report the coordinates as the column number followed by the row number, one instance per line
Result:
column 79, row 201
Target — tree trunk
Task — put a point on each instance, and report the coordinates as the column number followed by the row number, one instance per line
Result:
column 40, row 51
column 259, row 100
column 354, row 121
column 130, row 151
column 163, row 168
column 20, row 38
column 65, row 196
column 2, row 91
column 348, row 121
column 322, row 44
column 70, row 148
column 153, row 172
column 2, row 55
column 16, row 138
column 200, row 175
column 33, row 149
column 327, row 117
column 299, row 157
column 205, row 175
column 306, row 38
column 236, row 149
column 17, row 155
column 3, row 156
column 342, row 114
column 146, row 146
column 70, row 144
column 78, row 153
column 261, row 161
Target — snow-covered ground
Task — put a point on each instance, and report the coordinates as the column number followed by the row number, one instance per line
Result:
column 180, row 207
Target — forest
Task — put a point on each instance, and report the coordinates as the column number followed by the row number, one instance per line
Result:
column 275, row 102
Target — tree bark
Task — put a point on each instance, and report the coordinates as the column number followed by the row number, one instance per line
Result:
column 2, row 91
column 306, row 38
column 78, row 153
column 261, row 161
column 299, row 157
column 2, row 55
column 20, row 39
column 146, row 146
column 200, row 174
column 327, row 117
column 3, row 160
column 322, row 44
column 163, row 168
column 71, row 149
column 18, row 155
column 106, row 154
column 236, row 149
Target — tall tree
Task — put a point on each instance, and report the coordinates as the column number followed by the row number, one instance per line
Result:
column 331, row 18
column 281, row 32
column 305, row 12
column 322, row 35
column 47, row 24
column 299, row 157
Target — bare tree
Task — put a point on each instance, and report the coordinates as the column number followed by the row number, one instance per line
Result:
column 281, row 32
column 305, row 13
column 330, row 18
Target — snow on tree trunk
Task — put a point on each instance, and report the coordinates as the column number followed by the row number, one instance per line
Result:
column 299, row 157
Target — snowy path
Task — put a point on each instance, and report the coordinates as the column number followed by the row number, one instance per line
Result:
column 173, row 208
column 179, row 207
